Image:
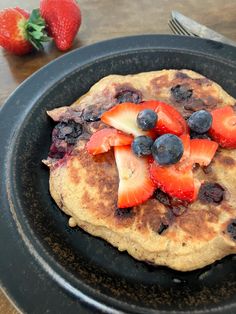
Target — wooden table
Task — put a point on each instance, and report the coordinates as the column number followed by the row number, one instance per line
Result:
column 104, row 19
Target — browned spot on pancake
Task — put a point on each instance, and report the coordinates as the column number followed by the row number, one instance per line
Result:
column 86, row 198
column 210, row 101
column 74, row 171
column 213, row 214
column 195, row 224
column 151, row 215
column 181, row 75
column 160, row 82
column 203, row 81
column 173, row 205
column 225, row 207
column 227, row 161
column 195, row 105
column 124, row 217
column 102, row 178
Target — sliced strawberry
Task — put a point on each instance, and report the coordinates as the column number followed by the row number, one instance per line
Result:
column 223, row 128
column 186, row 143
column 176, row 180
column 123, row 117
column 101, row 141
column 202, row 151
column 176, row 183
column 169, row 119
column 135, row 185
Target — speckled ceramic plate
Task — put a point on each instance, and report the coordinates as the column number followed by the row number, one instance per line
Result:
column 47, row 267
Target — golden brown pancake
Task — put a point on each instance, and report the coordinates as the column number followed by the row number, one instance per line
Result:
column 161, row 231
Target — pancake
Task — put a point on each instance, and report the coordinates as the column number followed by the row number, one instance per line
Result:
column 161, row 231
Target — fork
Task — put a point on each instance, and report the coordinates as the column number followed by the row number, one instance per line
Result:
column 178, row 29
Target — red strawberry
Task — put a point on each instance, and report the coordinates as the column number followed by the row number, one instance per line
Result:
column 177, row 180
column 170, row 120
column 63, row 19
column 176, row 183
column 202, row 151
column 223, row 128
column 101, row 141
column 135, row 185
column 23, row 12
column 19, row 32
column 186, row 143
column 123, row 117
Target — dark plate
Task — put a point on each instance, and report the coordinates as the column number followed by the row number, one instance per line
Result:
column 46, row 266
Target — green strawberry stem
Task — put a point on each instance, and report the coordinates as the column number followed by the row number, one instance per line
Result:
column 35, row 30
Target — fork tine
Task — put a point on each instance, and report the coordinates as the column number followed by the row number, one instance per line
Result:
column 175, row 29
column 181, row 27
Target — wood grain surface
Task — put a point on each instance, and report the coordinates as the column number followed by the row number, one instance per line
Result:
column 104, row 19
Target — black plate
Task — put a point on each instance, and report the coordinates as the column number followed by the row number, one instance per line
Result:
column 46, row 266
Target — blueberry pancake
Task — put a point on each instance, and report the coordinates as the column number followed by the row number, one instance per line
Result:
column 164, row 229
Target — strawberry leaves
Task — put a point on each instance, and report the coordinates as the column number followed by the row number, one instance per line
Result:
column 35, row 30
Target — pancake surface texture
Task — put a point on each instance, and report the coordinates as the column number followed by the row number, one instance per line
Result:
column 85, row 187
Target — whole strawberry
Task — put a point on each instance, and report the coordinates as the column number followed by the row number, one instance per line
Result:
column 20, row 32
column 63, row 19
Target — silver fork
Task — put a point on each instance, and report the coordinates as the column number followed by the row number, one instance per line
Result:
column 178, row 29
column 183, row 25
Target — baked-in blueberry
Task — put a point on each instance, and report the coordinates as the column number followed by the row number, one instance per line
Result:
column 200, row 121
column 68, row 131
column 167, row 149
column 181, row 93
column 146, row 119
column 141, row 145
column 129, row 96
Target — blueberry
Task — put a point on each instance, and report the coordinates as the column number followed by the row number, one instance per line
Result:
column 92, row 113
column 146, row 119
column 141, row 145
column 200, row 121
column 167, row 149
column 68, row 131
column 181, row 93
column 128, row 96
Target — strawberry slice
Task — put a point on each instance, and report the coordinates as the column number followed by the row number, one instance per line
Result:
column 135, row 185
column 223, row 128
column 123, row 117
column 101, row 141
column 177, row 180
column 176, row 183
column 186, row 143
column 202, row 151
column 170, row 120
